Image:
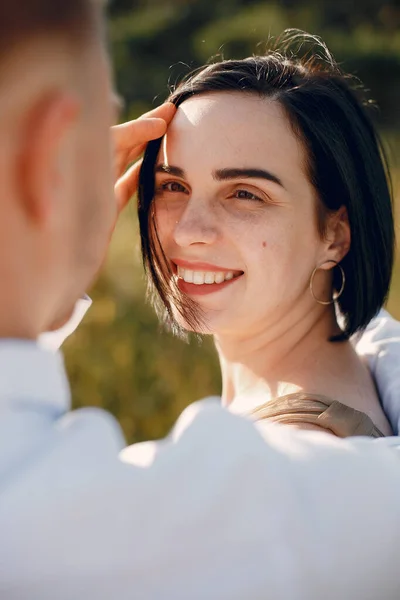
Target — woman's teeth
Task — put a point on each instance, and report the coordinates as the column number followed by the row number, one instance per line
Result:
column 202, row 277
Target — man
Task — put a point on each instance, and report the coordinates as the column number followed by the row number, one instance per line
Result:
column 220, row 509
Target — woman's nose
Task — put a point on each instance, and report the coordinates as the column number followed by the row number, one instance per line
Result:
column 197, row 225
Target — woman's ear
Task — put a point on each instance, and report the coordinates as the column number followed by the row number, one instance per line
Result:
column 338, row 234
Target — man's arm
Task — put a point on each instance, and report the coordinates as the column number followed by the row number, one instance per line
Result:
column 222, row 510
column 300, row 514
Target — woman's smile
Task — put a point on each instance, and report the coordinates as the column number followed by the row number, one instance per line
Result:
column 198, row 279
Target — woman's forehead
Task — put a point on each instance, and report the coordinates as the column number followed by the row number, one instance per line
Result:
column 240, row 110
column 236, row 126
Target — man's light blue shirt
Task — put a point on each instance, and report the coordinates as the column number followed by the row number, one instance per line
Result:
column 220, row 509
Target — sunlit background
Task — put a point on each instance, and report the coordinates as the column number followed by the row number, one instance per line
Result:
column 119, row 359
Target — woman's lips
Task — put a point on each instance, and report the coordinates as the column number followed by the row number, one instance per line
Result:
column 201, row 278
column 199, row 266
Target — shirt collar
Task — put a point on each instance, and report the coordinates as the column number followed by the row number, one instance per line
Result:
column 53, row 340
column 31, row 376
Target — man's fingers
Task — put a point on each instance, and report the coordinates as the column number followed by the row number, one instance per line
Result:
column 138, row 132
column 127, row 185
column 166, row 111
column 135, row 153
column 130, row 140
column 149, row 126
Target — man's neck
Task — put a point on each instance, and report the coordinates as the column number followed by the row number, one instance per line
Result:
column 20, row 312
column 14, row 325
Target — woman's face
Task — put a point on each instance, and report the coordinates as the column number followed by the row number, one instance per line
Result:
column 236, row 213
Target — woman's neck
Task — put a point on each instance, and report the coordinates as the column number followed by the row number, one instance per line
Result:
column 276, row 361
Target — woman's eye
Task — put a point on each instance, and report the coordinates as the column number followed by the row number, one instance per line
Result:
column 246, row 195
column 173, row 186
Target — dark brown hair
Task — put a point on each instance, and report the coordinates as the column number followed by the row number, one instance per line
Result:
column 328, row 110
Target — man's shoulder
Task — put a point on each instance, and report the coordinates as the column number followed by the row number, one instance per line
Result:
column 217, row 486
column 38, row 448
column 204, row 428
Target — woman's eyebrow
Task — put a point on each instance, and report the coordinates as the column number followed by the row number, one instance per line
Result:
column 225, row 174
column 171, row 170
column 251, row 173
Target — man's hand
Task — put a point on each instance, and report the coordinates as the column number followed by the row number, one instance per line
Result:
column 130, row 140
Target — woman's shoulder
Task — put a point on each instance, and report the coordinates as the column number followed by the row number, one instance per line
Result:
column 317, row 411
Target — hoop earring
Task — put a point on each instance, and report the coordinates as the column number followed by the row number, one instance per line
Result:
column 337, row 295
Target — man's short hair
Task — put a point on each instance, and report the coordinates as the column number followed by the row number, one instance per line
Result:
column 22, row 22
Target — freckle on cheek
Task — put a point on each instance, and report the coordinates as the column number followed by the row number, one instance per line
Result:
column 264, row 244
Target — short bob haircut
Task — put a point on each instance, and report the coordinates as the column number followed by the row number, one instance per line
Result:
column 328, row 111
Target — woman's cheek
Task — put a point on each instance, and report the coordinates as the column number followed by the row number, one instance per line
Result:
column 163, row 217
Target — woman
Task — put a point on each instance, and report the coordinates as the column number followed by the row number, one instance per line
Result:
column 266, row 220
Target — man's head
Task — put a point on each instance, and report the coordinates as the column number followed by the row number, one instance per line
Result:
column 56, row 198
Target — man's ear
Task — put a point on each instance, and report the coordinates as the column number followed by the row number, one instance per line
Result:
column 338, row 235
column 45, row 153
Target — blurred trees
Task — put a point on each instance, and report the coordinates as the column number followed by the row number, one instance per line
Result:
column 118, row 358
column 154, row 42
